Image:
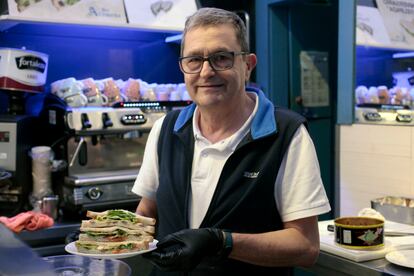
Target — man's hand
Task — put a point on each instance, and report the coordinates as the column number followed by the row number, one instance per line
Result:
column 184, row 250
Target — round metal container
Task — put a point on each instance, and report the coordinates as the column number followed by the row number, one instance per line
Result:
column 359, row 232
column 74, row 265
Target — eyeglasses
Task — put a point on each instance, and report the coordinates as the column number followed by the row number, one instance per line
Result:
column 219, row 61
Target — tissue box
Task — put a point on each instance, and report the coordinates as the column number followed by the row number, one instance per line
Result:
column 77, row 10
column 170, row 14
column 398, row 209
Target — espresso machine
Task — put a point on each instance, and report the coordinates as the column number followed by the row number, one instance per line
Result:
column 103, row 148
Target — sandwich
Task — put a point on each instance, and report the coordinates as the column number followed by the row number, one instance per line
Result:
column 115, row 234
column 115, row 231
column 92, row 247
column 117, row 217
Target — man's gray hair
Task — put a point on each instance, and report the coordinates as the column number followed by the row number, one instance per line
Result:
column 216, row 17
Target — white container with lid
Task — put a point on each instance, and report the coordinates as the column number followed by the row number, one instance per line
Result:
column 23, row 70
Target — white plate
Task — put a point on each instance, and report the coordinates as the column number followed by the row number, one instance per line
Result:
column 71, row 248
column 401, row 257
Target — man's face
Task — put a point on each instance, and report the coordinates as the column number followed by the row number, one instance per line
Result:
column 209, row 87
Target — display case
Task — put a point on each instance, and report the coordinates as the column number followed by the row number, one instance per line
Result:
column 374, row 133
column 375, row 66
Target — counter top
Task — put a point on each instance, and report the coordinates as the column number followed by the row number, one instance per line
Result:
column 342, row 261
column 329, row 264
column 49, row 241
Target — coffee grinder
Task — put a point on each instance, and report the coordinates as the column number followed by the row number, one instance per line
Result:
column 21, row 72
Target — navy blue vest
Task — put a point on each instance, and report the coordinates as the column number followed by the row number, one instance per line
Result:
column 243, row 201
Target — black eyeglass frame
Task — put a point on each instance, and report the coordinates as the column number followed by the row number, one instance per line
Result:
column 208, row 58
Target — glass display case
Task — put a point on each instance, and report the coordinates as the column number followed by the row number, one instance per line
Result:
column 380, row 72
column 374, row 133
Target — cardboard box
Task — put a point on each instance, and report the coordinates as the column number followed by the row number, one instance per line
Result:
column 164, row 14
column 66, row 10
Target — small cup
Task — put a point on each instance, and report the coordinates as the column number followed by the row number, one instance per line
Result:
column 98, row 100
column 54, row 87
column 76, row 100
column 383, row 94
column 149, row 95
column 360, row 94
column 131, row 90
column 112, row 91
column 372, row 96
column 92, row 93
column 70, row 90
column 89, row 87
column 50, row 206
column 162, row 92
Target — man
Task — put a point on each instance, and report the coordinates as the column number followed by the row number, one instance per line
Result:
column 223, row 176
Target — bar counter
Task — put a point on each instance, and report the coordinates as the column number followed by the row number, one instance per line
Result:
column 329, row 264
column 51, row 241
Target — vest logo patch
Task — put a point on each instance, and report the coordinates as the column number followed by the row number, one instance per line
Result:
column 251, row 174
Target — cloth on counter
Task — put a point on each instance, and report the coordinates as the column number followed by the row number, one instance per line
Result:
column 27, row 220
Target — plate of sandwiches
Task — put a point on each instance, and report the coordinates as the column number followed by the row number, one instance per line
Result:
column 114, row 234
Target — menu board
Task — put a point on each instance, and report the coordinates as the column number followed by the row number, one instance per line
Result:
column 314, row 78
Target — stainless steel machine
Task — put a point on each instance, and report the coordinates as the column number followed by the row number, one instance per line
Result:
column 18, row 134
column 103, row 148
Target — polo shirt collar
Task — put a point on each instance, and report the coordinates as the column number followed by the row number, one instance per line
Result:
column 263, row 124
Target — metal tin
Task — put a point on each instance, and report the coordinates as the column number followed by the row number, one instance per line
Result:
column 398, row 209
column 359, row 232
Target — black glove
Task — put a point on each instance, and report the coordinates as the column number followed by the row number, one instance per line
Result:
column 72, row 236
column 184, row 250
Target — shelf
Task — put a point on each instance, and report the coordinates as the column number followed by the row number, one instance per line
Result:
column 393, row 47
column 44, row 26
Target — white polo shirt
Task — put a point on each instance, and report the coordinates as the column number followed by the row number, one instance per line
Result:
column 299, row 191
